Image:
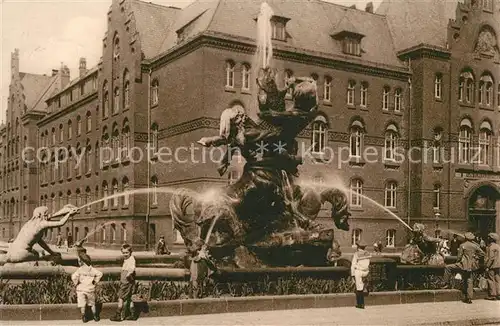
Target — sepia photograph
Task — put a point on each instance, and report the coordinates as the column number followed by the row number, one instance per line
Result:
column 250, row 162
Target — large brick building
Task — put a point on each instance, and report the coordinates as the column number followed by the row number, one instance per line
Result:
column 415, row 76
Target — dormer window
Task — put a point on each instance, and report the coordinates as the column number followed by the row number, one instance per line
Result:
column 278, row 30
column 350, row 38
column 352, row 46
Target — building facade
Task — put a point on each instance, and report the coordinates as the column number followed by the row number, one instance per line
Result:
column 387, row 87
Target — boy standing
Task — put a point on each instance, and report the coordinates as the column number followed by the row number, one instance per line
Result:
column 360, row 267
column 85, row 279
column 127, row 284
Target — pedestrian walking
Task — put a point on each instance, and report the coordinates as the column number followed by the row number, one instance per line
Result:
column 59, row 240
column 492, row 266
column 469, row 255
column 360, row 267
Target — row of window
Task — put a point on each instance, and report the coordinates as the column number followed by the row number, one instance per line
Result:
column 481, row 154
column 118, row 102
column 390, row 237
column 356, row 139
column 327, row 88
column 390, row 193
column 467, row 89
column 45, row 141
column 74, row 93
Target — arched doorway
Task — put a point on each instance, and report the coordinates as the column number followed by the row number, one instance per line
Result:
column 483, row 209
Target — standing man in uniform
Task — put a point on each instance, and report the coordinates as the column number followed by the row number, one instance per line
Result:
column 469, row 255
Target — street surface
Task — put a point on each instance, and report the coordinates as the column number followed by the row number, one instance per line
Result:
column 455, row 313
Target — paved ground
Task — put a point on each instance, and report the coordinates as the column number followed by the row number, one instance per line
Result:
column 455, row 313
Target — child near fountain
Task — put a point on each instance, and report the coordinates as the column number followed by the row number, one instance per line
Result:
column 360, row 267
column 127, row 285
column 85, row 278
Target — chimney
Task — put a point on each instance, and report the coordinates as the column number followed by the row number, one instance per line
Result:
column 54, row 72
column 64, row 74
column 14, row 62
column 369, row 7
column 83, row 66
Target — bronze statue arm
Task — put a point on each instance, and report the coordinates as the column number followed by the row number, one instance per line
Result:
column 62, row 221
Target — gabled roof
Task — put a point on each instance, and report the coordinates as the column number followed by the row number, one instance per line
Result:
column 415, row 22
column 198, row 15
column 153, row 22
column 344, row 26
column 310, row 26
column 36, row 89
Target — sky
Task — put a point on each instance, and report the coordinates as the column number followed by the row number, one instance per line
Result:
column 50, row 32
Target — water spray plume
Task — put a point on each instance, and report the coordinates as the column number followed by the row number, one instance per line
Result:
column 338, row 184
column 264, row 29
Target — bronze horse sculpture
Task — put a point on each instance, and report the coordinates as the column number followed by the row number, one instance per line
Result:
column 265, row 207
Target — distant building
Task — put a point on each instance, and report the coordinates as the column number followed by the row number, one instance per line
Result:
column 411, row 76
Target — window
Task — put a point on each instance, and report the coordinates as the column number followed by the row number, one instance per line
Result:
column 126, row 90
column 356, row 192
column 391, row 143
column 398, row 102
column 154, row 183
column 115, row 142
column 436, row 147
column 245, row 77
column 289, row 74
column 356, row 237
column 356, row 139
column 390, row 194
column 116, row 48
column 114, row 192
column 89, row 199
column 464, row 141
column 485, row 90
column 385, row 98
column 278, row 30
column 154, row 137
column 327, row 89
column 487, row 5
column 318, row 137
column 352, row 46
column 350, row 92
column 230, row 74
column 436, row 198
column 233, row 176
column 105, row 194
column 438, row 86
column 485, row 143
column 105, row 100
column 116, row 100
column 78, row 126
column 70, row 129
column 364, row 95
column 124, row 232
column 125, row 139
column 498, row 96
column 125, row 189
column 88, row 157
column 61, row 133
column 89, row 122
column 103, row 232
column 466, row 87
column 154, row 92
column 390, row 238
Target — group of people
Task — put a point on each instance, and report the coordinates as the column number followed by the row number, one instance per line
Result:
column 87, row 276
column 470, row 257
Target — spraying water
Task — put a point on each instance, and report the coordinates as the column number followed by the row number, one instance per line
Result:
column 264, row 30
column 339, row 185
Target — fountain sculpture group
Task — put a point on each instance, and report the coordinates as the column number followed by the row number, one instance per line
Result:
column 265, row 218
